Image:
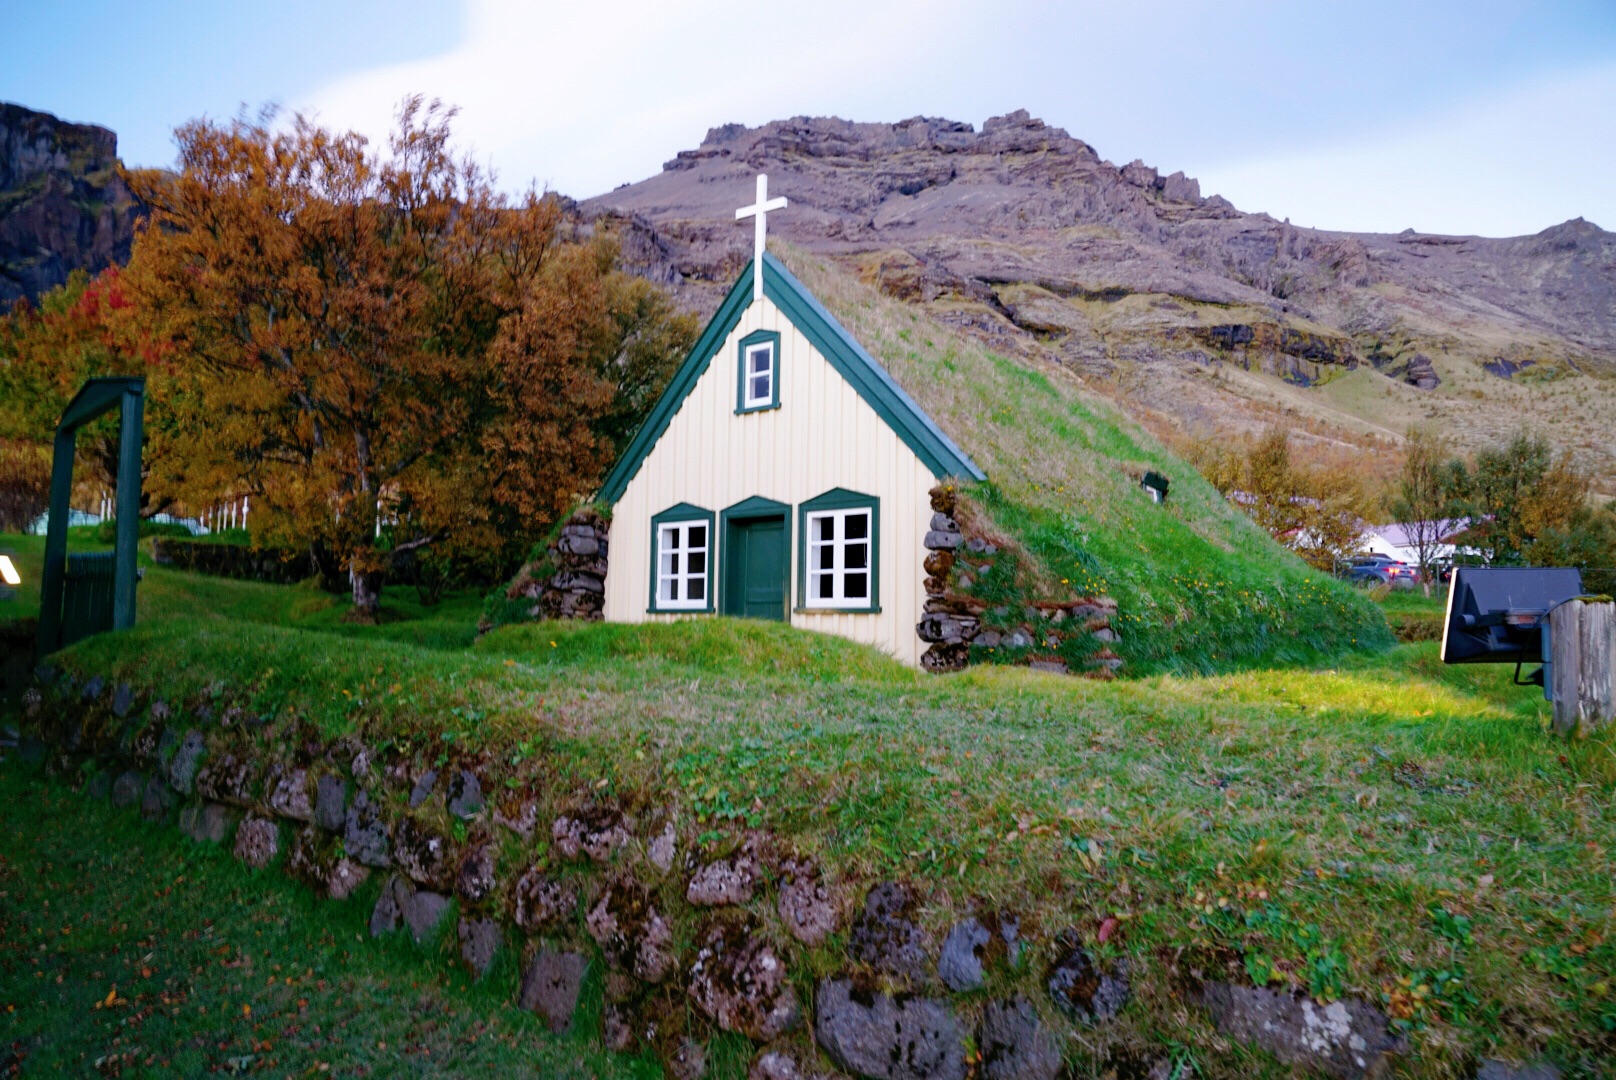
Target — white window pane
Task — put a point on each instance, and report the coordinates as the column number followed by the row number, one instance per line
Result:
column 856, row 586
column 698, row 588
column 760, row 388
column 824, row 586
column 857, row 526
column 697, row 562
column 825, row 557
column 824, row 528
column 698, row 536
column 856, row 556
column 761, row 359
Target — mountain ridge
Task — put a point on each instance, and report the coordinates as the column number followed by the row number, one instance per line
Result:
column 1138, row 283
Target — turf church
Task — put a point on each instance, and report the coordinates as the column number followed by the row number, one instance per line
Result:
column 782, row 475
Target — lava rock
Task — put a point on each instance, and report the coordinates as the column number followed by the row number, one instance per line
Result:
column 422, row 908
column 228, row 780
column 206, row 824
column 740, row 983
column 663, row 848
column 1345, row 1039
column 959, row 964
column 465, row 795
column 157, row 799
column 330, row 802
column 423, row 853
column 123, row 699
column 542, row 902
column 289, row 795
column 1082, row 990
column 521, row 818
column 126, row 789
column 726, row 881
column 475, row 880
column 885, row 935
column 1494, row 1069
column 187, row 759
column 596, row 834
column 631, row 933
column 423, row 788
column 874, row 1034
column 342, row 877
column 258, row 841
column 805, row 903
column 364, row 834
column 550, row 987
column 99, row 786
column 388, row 914
column 479, row 943
column 689, row 1061
column 1015, row 1044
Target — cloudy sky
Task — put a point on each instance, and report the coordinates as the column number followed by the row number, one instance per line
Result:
column 1495, row 117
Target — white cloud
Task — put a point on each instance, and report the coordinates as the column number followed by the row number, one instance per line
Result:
column 583, row 97
column 1509, row 164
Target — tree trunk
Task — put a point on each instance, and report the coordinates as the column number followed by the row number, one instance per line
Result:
column 367, row 595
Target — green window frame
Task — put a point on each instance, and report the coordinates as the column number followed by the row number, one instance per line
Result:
column 747, row 400
column 672, row 528
column 835, row 557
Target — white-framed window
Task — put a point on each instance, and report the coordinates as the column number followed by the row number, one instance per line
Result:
column 683, row 557
column 758, row 375
column 840, row 551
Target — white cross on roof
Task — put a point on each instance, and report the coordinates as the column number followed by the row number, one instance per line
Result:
column 760, row 210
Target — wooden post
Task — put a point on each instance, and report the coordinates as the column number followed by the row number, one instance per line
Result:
column 1582, row 647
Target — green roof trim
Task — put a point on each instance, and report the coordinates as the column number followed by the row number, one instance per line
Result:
column 862, row 371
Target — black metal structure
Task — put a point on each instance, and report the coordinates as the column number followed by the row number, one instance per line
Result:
column 83, row 582
column 1499, row 615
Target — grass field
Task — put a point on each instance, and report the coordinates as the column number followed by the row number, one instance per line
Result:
column 1383, row 827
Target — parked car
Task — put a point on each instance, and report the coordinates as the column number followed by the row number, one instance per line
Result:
column 1379, row 570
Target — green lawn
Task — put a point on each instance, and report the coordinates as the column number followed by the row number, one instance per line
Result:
column 130, row 951
column 1385, row 827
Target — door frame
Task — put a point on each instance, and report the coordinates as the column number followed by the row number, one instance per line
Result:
column 754, row 509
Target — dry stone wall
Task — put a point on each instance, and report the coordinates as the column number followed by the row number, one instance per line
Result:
column 570, row 583
column 963, row 622
column 232, row 561
column 691, row 937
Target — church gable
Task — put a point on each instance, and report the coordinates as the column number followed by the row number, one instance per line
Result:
column 758, row 376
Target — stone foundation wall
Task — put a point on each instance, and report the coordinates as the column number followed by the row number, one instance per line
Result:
column 961, row 628
column 746, row 935
column 572, row 584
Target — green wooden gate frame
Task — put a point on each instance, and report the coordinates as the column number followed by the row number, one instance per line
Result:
column 94, row 399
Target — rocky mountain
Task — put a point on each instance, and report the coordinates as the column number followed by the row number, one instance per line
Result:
column 62, row 204
column 1197, row 316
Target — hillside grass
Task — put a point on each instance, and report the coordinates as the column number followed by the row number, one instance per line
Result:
column 1200, row 587
column 1384, row 826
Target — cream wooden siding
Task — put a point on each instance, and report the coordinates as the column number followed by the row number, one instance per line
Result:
column 822, row 436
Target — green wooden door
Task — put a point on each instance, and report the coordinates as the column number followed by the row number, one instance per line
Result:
column 755, row 569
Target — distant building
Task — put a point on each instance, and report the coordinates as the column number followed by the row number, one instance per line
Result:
column 1396, row 541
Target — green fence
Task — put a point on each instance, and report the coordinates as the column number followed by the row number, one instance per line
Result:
column 87, row 597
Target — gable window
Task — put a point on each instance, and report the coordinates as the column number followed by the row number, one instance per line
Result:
column 681, row 567
column 839, row 554
column 759, row 377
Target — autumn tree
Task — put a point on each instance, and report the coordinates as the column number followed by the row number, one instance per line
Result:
column 83, row 329
column 1315, row 510
column 1423, row 502
column 382, row 349
column 1529, row 505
